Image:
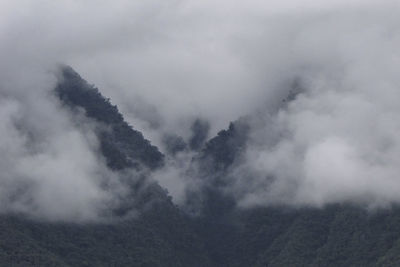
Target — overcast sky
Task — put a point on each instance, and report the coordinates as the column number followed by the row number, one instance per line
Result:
column 165, row 63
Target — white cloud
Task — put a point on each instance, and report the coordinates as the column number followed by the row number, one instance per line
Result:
column 215, row 60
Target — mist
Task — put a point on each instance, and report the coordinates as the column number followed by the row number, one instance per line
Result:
column 168, row 63
column 336, row 141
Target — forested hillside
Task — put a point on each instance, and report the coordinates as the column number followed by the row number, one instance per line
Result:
column 217, row 234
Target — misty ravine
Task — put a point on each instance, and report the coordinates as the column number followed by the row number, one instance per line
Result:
column 216, row 133
column 137, row 224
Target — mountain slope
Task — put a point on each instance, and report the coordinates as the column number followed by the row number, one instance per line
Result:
column 221, row 234
column 160, row 236
column 121, row 145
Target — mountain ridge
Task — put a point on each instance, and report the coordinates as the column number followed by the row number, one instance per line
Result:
column 221, row 235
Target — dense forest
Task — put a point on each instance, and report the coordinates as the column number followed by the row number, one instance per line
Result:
column 218, row 234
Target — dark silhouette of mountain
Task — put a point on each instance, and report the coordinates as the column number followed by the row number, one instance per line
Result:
column 219, row 235
column 222, row 150
column 161, row 235
column 121, row 145
column 200, row 129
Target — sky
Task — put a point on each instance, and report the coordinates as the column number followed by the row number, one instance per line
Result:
column 167, row 63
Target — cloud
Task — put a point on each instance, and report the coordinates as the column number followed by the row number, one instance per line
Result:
column 337, row 140
column 168, row 63
column 49, row 167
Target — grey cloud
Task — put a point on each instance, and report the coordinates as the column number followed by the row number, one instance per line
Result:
column 336, row 141
column 50, row 167
column 180, row 60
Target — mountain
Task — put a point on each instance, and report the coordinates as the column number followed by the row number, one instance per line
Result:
column 122, row 146
column 160, row 236
column 209, row 230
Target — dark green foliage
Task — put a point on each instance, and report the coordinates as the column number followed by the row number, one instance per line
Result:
column 222, row 150
column 221, row 235
column 120, row 143
column 158, row 238
column 334, row 236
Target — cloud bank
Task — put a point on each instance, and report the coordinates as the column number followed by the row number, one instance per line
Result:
column 50, row 168
column 338, row 139
column 168, row 63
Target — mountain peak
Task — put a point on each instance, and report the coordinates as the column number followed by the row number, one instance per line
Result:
column 121, row 145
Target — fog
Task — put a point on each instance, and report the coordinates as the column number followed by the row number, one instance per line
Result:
column 167, row 63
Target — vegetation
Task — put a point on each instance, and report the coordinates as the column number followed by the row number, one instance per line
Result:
column 164, row 235
column 120, row 143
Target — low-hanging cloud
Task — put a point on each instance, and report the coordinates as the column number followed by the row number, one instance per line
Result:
column 50, row 168
column 168, row 63
column 337, row 141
